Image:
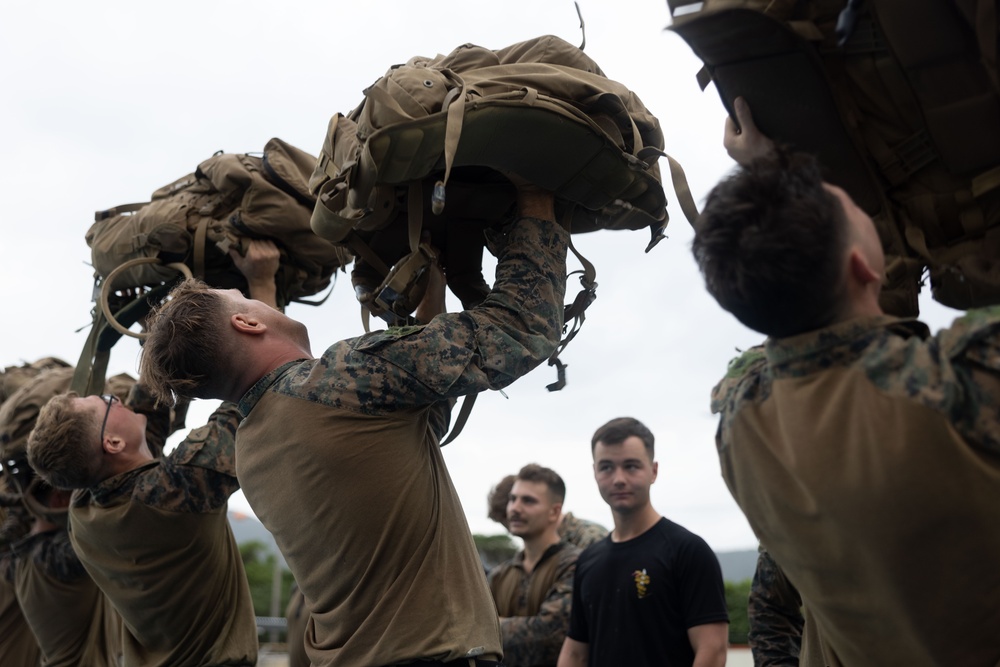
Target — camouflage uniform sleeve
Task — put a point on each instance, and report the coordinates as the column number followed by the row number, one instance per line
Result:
column 774, row 612
column 512, row 331
column 157, row 417
column 537, row 640
column 53, row 554
column 199, row 475
column 970, row 353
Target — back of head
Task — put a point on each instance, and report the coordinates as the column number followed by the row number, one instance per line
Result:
column 185, row 351
column 539, row 474
column 496, row 501
column 62, row 448
column 770, row 244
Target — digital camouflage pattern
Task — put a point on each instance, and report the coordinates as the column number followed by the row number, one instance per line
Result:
column 199, row 475
column 50, row 552
column 367, row 408
column 580, row 532
column 774, row 612
column 851, row 451
column 940, row 372
column 534, row 608
column 510, row 333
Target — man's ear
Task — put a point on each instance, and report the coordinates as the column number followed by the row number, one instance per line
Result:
column 656, row 469
column 247, row 323
column 113, row 444
column 860, row 270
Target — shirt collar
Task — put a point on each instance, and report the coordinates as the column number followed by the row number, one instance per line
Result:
column 255, row 393
column 850, row 336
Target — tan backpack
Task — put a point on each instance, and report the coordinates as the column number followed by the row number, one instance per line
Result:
column 436, row 141
column 901, row 105
column 196, row 220
column 18, row 415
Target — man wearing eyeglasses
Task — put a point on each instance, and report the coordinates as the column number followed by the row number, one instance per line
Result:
column 153, row 532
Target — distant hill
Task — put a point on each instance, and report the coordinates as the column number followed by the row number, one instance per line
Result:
column 737, row 566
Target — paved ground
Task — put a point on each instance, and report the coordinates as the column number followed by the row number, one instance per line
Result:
column 738, row 657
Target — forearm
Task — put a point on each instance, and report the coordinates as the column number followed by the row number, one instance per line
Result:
column 532, row 640
column 520, row 323
column 573, row 654
column 774, row 615
column 710, row 657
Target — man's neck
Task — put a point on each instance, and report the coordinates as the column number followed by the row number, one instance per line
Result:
column 536, row 547
column 633, row 524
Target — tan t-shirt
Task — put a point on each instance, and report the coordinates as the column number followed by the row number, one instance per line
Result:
column 339, row 458
column 157, row 541
column 17, row 645
column 73, row 620
column 867, row 459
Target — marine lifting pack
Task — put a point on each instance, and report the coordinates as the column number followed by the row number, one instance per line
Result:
column 140, row 250
column 437, row 142
column 900, row 102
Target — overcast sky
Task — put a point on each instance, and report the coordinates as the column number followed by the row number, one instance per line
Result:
column 104, row 102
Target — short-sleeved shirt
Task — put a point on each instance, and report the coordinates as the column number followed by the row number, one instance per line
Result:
column 157, row 541
column 346, row 447
column 866, row 455
column 634, row 601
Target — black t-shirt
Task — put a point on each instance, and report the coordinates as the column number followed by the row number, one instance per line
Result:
column 634, row 601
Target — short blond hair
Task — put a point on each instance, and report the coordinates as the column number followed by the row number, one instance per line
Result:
column 61, row 447
column 185, row 353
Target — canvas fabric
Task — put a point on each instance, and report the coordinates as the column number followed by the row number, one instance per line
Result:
column 903, row 114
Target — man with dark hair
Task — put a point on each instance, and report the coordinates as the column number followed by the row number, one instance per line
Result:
column 532, row 591
column 354, row 435
column 652, row 592
column 153, row 532
column 864, row 452
column 578, row 532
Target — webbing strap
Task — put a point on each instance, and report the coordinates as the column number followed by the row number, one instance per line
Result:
column 986, row 181
column 986, row 32
column 682, row 190
column 452, row 135
column 362, row 249
column 118, row 210
column 463, row 416
column 414, row 214
column 200, row 232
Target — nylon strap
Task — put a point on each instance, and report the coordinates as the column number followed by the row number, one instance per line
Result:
column 463, row 416
column 118, row 210
column 199, row 248
column 682, row 190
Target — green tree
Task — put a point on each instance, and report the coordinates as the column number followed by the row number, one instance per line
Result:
column 494, row 549
column 737, row 595
column 258, row 561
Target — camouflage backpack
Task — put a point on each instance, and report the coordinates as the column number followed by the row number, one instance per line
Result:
column 899, row 100
column 436, row 141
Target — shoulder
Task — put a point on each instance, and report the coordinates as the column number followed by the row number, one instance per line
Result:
column 682, row 539
column 746, row 378
column 976, row 329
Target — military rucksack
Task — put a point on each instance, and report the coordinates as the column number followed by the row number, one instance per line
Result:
column 899, row 100
column 18, row 415
column 434, row 146
column 196, row 220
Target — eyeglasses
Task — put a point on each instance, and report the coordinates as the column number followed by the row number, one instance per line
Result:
column 110, row 398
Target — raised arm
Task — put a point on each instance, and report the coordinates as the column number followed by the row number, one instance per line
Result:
column 512, row 331
column 742, row 140
column 258, row 266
